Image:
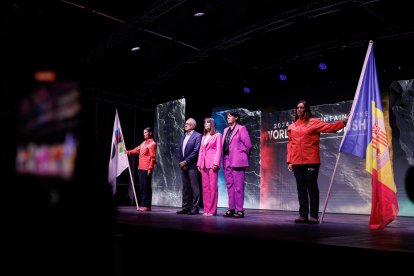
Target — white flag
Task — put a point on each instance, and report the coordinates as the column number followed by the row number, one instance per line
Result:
column 118, row 161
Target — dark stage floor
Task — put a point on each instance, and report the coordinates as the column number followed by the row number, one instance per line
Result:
column 268, row 237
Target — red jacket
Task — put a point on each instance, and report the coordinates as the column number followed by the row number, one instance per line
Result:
column 146, row 152
column 304, row 136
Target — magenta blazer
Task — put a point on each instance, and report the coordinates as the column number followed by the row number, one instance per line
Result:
column 239, row 146
column 210, row 154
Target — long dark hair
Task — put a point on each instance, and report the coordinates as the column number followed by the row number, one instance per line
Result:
column 308, row 112
column 213, row 129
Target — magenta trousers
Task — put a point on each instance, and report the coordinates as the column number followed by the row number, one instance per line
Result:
column 210, row 190
column 235, row 185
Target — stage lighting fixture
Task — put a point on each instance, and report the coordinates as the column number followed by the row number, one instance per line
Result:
column 282, row 77
column 45, row 76
column 135, row 49
column 322, row 66
column 246, row 89
column 199, row 14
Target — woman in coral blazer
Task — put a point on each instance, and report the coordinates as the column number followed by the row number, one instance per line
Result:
column 303, row 158
column 147, row 151
column 208, row 165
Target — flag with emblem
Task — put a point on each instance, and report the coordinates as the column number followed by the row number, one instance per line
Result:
column 118, row 161
column 366, row 137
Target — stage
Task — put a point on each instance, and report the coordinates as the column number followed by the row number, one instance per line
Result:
column 264, row 236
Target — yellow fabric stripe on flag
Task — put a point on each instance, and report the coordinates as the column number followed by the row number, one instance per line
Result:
column 378, row 157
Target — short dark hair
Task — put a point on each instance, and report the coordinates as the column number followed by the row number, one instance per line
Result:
column 151, row 134
column 234, row 113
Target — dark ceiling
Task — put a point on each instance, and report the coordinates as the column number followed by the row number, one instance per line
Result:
column 236, row 43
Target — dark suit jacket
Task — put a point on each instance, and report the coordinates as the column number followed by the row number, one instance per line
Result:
column 191, row 150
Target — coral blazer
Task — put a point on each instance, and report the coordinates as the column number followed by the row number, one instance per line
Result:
column 146, row 151
column 304, row 138
column 210, row 154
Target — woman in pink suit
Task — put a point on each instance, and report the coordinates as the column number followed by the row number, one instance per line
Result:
column 236, row 153
column 208, row 165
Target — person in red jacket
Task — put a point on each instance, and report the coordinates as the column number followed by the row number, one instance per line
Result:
column 303, row 158
column 146, row 164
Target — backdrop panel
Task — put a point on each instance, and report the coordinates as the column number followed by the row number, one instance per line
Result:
column 169, row 127
column 401, row 107
column 351, row 191
column 250, row 119
column 269, row 185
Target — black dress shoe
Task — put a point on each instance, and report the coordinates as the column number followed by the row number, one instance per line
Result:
column 229, row 213
column 313, row 221
column 238, row 214
column 301, row 220
column 193, row 212
column 183, row 211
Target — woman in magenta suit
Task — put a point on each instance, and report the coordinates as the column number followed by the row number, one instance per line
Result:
column 209, row 164
column 236, row 153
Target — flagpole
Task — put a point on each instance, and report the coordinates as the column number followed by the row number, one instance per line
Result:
column 330, row 187
column 358, row 89
column 133, row 185
column 350, row 118
column 129, row 169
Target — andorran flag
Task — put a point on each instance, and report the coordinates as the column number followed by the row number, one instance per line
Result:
column 366, row 137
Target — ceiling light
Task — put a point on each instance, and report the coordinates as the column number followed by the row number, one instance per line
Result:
column 322, row 66
column 199, row 14
column 135, row 49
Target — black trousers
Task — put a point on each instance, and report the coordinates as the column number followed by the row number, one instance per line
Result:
column 308, row 191
column 191, row 190
column 145, row 188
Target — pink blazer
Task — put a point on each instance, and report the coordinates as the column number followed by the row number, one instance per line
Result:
column 210, row 154
column 239, row 146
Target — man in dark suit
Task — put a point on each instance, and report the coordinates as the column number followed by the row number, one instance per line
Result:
column 187, row 156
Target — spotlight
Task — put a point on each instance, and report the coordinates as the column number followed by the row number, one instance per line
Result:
column 135, row 49
column 45, row 76
column 322, row 66
column 199, row 14
column 282, row 77
column 246, row 89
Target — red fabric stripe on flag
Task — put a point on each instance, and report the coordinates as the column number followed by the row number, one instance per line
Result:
column 384, row 204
